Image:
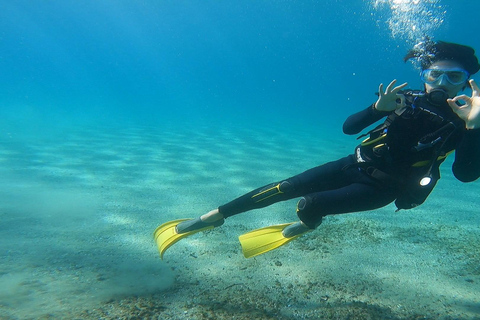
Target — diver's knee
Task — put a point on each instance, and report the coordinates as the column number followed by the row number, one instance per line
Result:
column 308, row 213
column 285, row 186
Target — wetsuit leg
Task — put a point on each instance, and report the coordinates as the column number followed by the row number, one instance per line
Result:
column 332, row 188
column 328, row 176
column 351, row 198
column 340, row 187
column 260, row 198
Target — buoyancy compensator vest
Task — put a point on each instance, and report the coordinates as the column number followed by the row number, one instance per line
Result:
column 411, row 143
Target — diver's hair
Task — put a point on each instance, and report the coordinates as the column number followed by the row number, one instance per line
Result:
column 428, row 52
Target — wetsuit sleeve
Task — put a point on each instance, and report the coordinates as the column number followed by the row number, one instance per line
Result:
column 360, row 120
column 466, row 166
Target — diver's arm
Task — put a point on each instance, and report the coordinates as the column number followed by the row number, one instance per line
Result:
column 466, row 166
column 360, row 120
column 386, row 103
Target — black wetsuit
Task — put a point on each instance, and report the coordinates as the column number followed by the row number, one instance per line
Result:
column 386, row 167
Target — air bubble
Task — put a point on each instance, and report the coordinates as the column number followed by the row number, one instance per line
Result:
column 412, row 20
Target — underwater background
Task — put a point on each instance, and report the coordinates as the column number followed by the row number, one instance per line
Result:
column 117, row 116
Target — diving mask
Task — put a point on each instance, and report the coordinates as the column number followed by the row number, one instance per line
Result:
column 454, row 76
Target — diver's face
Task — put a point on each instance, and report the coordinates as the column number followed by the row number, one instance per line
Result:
column 447, row 75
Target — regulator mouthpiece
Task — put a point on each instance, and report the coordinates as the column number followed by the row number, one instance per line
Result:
column 437, row 96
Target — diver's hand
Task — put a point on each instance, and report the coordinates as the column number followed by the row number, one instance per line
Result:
column 470, row 110
column 387, row 101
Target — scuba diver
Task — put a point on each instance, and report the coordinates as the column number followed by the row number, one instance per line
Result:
column 397, row 162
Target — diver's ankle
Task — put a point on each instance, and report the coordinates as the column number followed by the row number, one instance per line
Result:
column 212, row 216
column 295, row 229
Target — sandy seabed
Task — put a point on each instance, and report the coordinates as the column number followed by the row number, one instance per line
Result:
column 78, row 210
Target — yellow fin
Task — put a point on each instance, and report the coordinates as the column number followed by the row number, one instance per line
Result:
column 171, row 232
column 166, row 235
column 262, row 240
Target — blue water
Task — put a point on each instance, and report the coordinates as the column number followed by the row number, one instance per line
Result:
column 188, row 61
column 118, row 115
